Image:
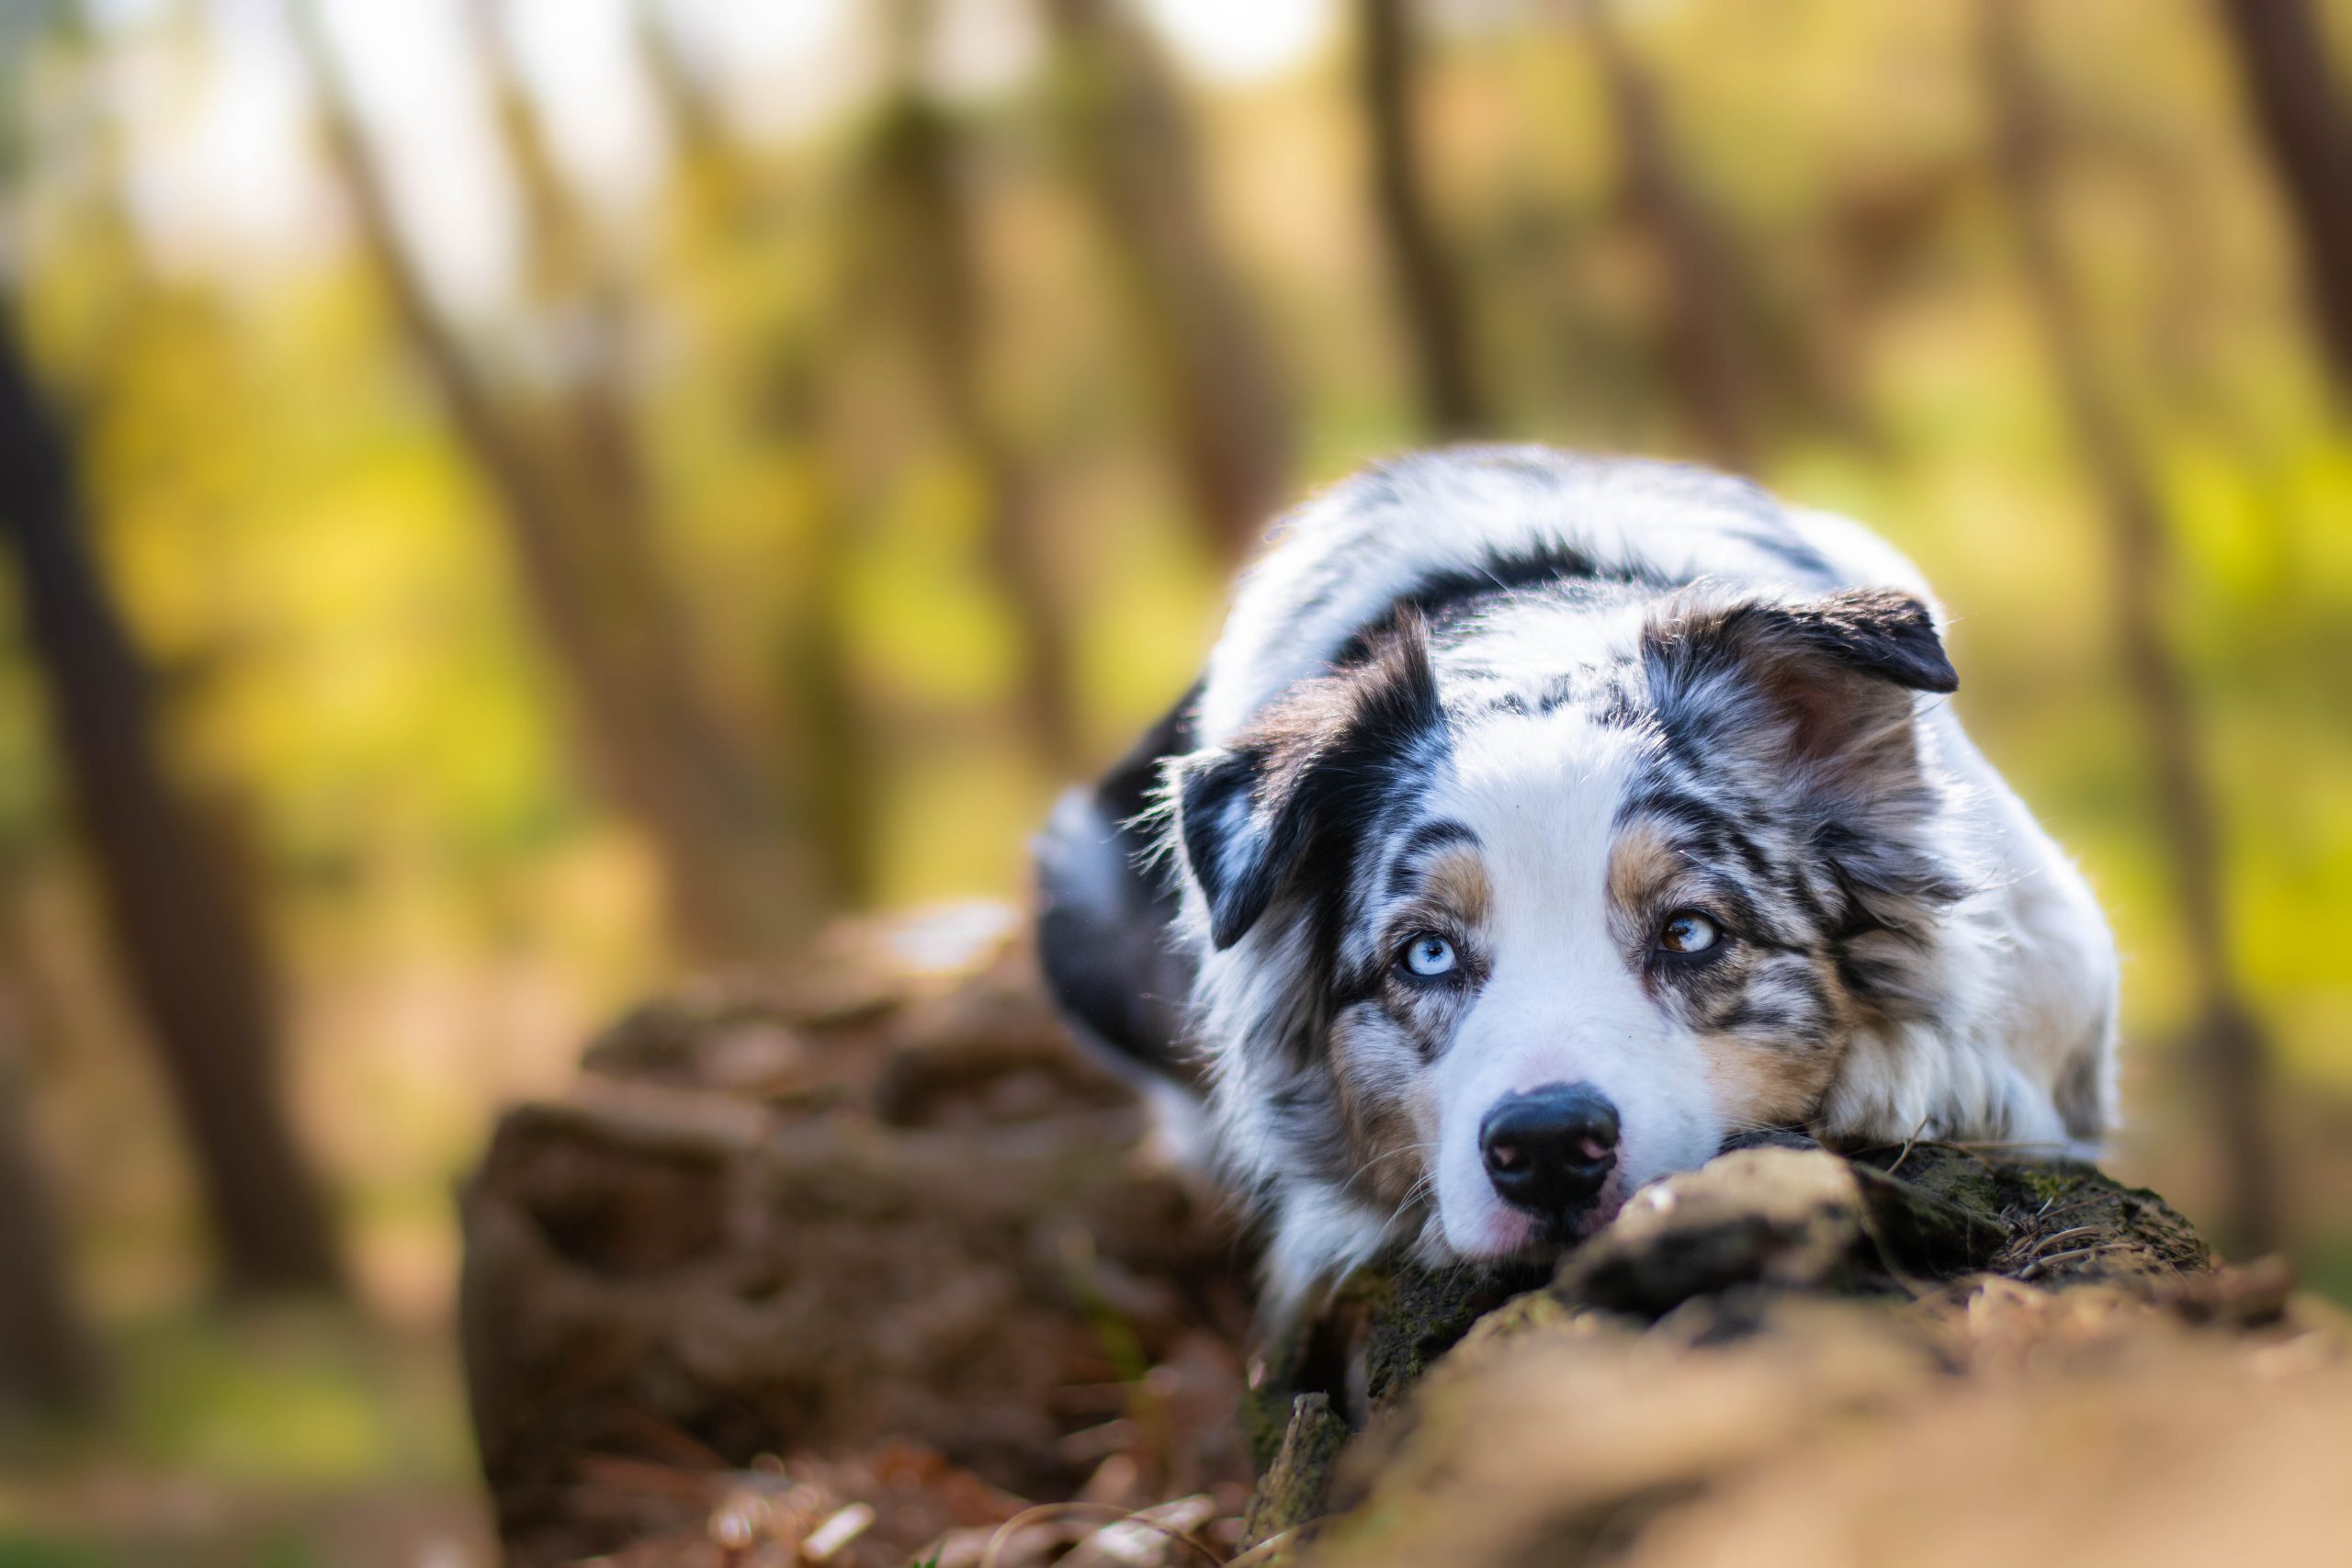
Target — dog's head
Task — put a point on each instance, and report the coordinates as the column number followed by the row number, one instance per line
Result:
column 1492, row 953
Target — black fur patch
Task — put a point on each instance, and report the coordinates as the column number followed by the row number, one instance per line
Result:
column 1292, row 797
column 1440, row 596
column 1104, row 911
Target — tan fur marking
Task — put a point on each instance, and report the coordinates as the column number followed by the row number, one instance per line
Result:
column 1458, row 882
column 1640, row 862
column 1386, row 1132
column 1755, row 1087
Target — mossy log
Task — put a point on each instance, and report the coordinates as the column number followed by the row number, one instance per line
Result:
column 1642, row 1402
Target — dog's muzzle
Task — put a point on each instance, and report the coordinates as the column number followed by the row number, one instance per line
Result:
column 1550, row 1150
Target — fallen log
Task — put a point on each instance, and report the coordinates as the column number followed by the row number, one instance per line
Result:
column 893, row 1235
column 870, row 1267
column 1735, row 1369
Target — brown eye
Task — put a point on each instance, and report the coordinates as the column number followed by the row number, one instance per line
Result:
column 1688, row 931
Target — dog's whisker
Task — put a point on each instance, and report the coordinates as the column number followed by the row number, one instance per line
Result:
column 1389, row 1155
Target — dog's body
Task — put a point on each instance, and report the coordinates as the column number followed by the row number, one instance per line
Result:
column 1539, row 823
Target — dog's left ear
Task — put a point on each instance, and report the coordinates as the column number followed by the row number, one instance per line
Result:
column 1823, row 683
column 1299, row 786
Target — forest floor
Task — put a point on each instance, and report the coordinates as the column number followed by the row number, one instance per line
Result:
column 868, row 1250
column 282, row 1438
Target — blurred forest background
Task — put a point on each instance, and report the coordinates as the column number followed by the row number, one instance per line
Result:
column 506, row 501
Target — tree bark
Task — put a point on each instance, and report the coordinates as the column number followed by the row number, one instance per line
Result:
column 833, row 755
column 2229, row 1043
column 569, row 487
column 1703, row 353
column 2282, row 62
column 1428, row 291
column 617, row 512
column 49, row 1365
column 189, row 945
column 925, row 239
column 916, row 163
column 1225, row 413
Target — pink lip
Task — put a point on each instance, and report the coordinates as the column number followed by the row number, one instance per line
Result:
column 1611, row 1200
column 1509, row 1231
column 1514, row 1232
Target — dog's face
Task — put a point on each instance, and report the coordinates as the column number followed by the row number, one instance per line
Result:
column 1519, row 947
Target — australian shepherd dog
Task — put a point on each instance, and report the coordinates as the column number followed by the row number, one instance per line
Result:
column 1543, row 822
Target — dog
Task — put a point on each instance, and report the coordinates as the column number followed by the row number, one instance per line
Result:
column 1541, row 823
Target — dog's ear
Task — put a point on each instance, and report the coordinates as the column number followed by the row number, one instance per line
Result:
column 1300, row 784
column 1823, row 684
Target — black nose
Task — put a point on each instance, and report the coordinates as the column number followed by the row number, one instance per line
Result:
column 1548, row 1150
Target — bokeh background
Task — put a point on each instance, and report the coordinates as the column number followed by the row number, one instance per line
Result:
column 509, row 501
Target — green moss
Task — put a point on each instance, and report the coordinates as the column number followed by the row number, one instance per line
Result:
column 1421, row 1314
column 1292, row 1493
column 2047, row 1184
column 1265, row 1417
column 1534, row 1312
column 36, row 1551
column 1953, row 1175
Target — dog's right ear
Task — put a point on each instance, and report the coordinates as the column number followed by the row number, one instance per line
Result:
column 1299, row 785
column 1238, row 828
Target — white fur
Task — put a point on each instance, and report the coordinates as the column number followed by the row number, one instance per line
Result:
column 1561, row 1006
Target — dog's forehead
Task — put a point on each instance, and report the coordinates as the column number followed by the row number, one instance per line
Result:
column 1533, row 635
column 1542, row 793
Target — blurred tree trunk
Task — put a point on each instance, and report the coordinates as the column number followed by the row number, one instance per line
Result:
column 697, row 134
column 586, row 312
column 49, row 1364
column 189, row 943
column 925, row 237
column 2282, row 60
column 2231, row 1048
column 832, row 763
column 1428, row 290
column 1703, row 351
column 915, row 167
column 840, row 781
column 1123, row 128
column 571, row 488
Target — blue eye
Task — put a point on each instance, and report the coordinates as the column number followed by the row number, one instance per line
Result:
column 1687, row 931
column 1429, row 957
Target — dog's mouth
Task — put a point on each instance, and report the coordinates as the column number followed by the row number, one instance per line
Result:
column 1557, row 1232
column 1541, row 1238
column 1493, row 1233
